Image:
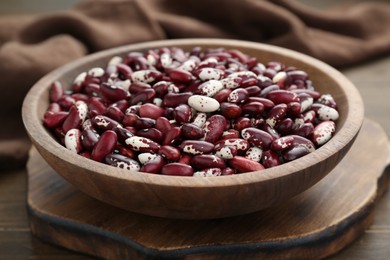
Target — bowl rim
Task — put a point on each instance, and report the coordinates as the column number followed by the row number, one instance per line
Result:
column 344, row 136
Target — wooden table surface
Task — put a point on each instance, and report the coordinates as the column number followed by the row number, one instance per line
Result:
column 373, row 81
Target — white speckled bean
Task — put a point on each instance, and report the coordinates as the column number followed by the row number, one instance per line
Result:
column 72, row 140
column 96, row 72
column 254, row 153
column 211, row 87
column 323, row 132
column 115, row 60
column 226, row 152
column 80, row 78
column 210, row 73
column 327, row 113
column 203, row 104
column 146, row 157
column 210, row 172
column 199, row 119
column 82, row 109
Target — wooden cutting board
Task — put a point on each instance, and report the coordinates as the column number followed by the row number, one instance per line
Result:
column 314, row 224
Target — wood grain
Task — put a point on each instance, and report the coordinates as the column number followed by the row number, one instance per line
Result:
column 317, row 223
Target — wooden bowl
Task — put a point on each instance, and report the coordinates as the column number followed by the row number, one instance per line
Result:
column 198, row 198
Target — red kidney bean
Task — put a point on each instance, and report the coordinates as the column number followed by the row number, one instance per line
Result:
column 266, row 102
column 104, row 146
column 54, row 119
column 191, row 131
column 151, row 133
column 145, row 96
column 270, row 159
column 182, row 114
column 138, row 87
column 114, row 113
column 294, row 153
column 264, row 92
column 154, row 166
column 104, row 123
column 66, row 102
column 277, row 113
column 304, row 130
column 180, row 75
column 257, row 137
column 241, row 123
column 96, row 104
column 242, row 164
column 314, row 94
column 54, row 107
column 253, row 90
column 172, row 136
column 230, row 133
column 263, row 81
column 267, row 128
column 130, row 119
column 252, row 108
column 214, row 127
column 169, row 152
column 76, row 116
column 177, row 169
column 284, row 127
column 151, row 111
column 175, row 99
column 120, row 149
column 122, row 162
column 227, row 171
column 113, row 92
column 163, row 124
column 205, row 161
column 144, row 122
column 294, row 109
column 89, row 138
column 123, row 133
column 239, row 96
column 230, row 110
column 282, row 143
column 257, row 122
column 196, row 147
column 56, row 91
column 161, row 88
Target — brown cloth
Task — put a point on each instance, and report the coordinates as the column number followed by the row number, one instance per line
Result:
column 31, row 46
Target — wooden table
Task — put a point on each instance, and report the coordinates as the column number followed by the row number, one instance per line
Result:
column 372, row 80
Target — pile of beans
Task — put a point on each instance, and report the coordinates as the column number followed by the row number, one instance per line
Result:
column 198, row 113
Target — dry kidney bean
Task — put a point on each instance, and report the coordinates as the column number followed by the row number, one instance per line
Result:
column 104, row 146
column 123, row 162
column 191, row 131
column 178, row 169
column 172, row 112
